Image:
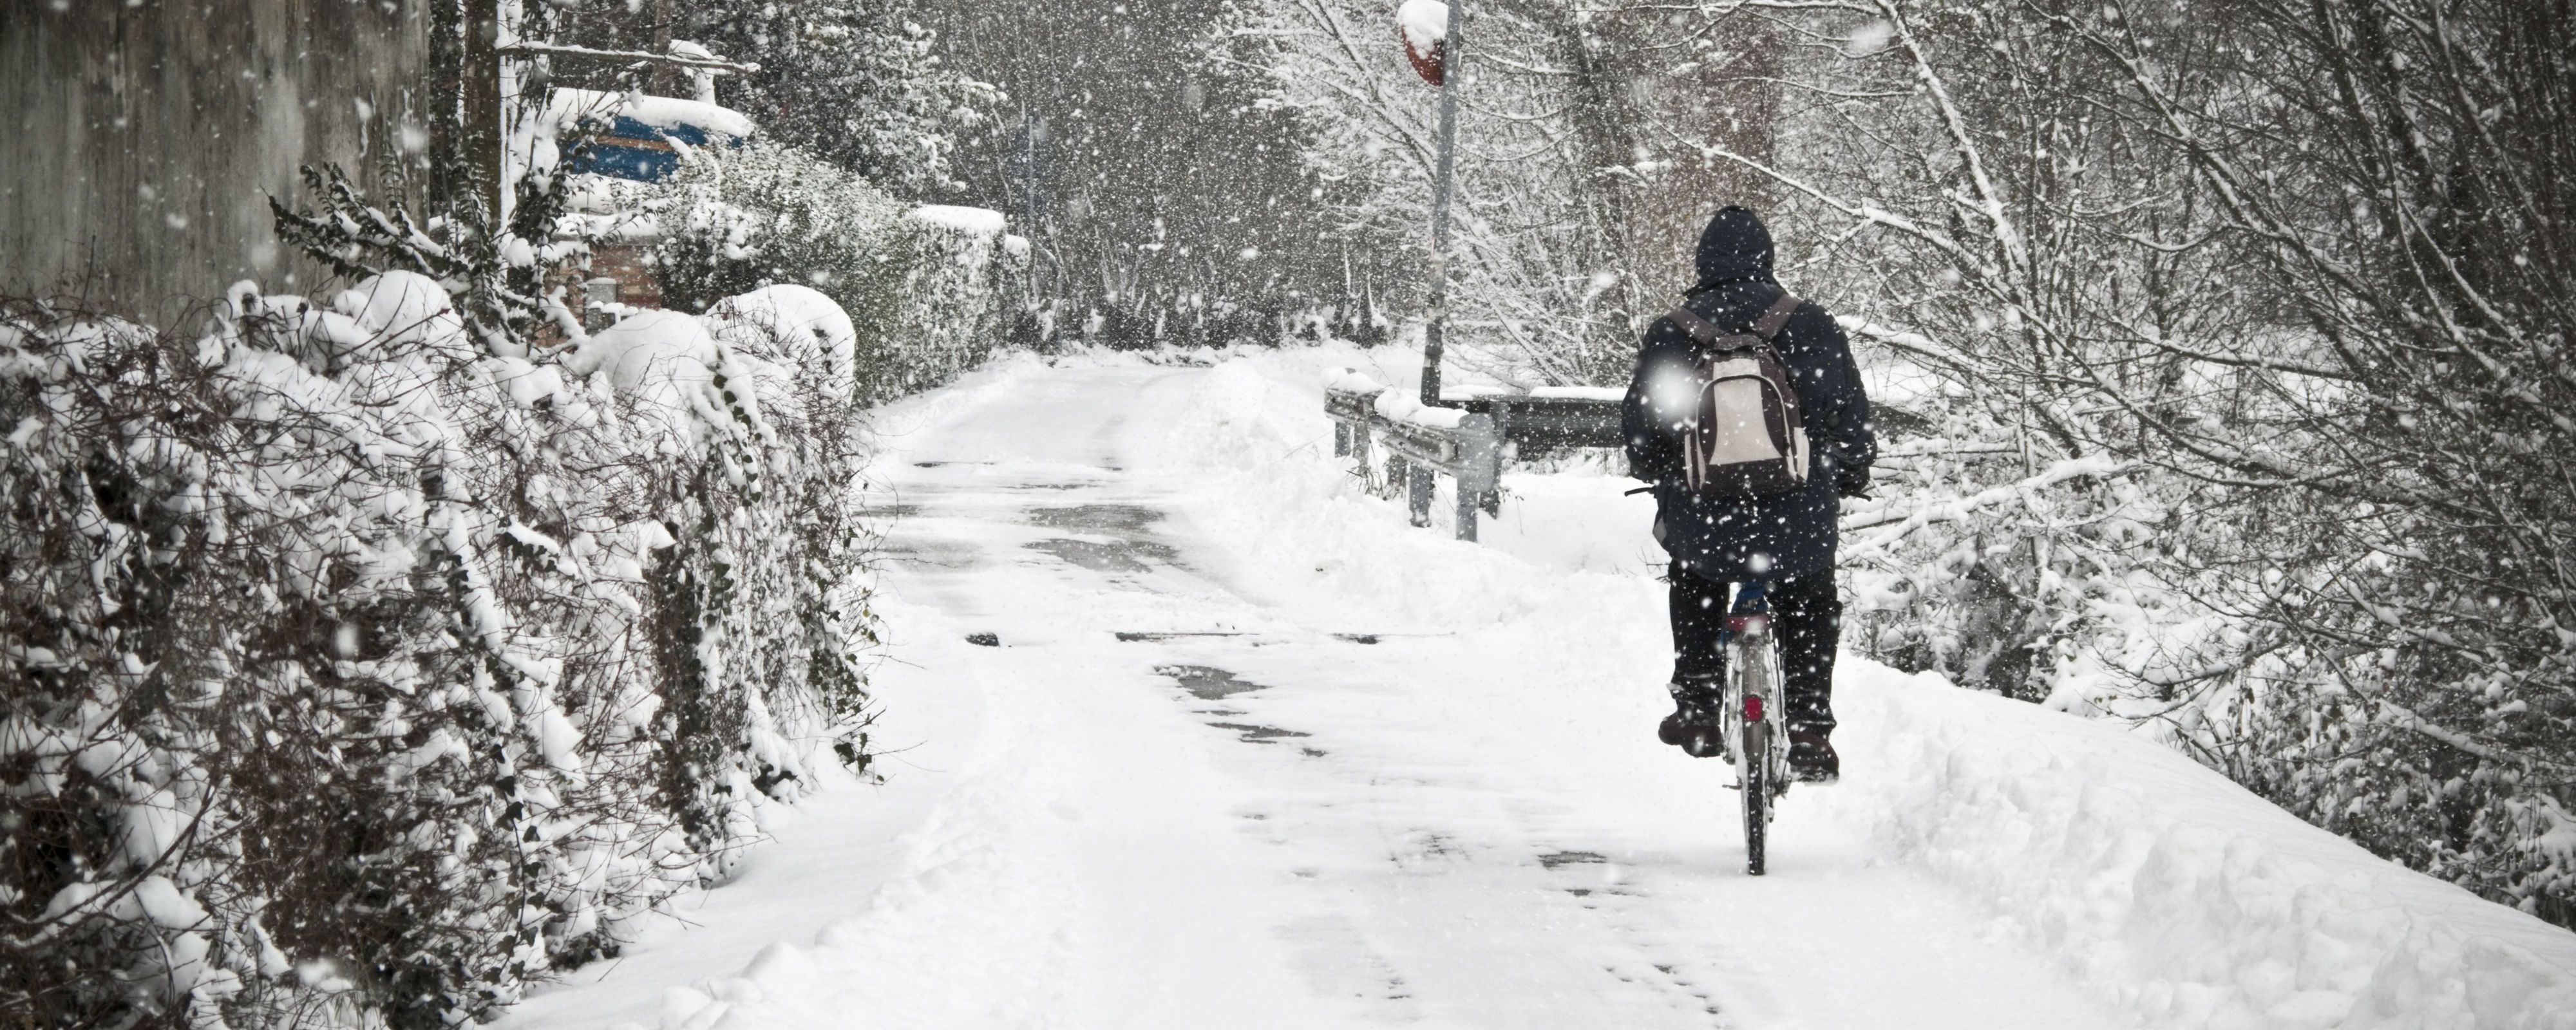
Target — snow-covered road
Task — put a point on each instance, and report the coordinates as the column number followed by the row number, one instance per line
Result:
column 1250, row 752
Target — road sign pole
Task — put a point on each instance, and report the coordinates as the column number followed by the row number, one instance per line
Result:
column 1443, row 186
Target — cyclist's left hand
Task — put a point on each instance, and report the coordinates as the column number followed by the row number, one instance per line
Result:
column 1853, row 481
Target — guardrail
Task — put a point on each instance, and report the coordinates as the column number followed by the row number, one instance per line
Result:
column 1465, row 438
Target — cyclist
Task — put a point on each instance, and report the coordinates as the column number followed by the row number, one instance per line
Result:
column 1787, row 538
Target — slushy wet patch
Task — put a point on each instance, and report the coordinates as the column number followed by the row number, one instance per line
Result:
column 1208, row 683
column 1258, row 734
column 1110, row 519
column 1107, row 555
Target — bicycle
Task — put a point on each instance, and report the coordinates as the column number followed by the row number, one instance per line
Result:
column 1751, row 711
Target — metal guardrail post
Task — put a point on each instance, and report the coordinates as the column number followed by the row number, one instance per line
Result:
column 1480, row 470
column 1417, row 499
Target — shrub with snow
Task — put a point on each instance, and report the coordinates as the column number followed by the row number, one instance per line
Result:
column 924, row 288
column 356, row 671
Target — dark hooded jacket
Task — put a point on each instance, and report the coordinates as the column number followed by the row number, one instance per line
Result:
column 1783, row 535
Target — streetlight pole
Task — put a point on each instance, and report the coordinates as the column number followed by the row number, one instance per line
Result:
column 1443, row 186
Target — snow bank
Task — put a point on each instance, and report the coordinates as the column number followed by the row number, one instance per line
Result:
column 2104, row 860
column 1307, row 523
column 2191, row 901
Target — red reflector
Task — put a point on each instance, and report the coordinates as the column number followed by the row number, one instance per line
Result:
column 1752, row 708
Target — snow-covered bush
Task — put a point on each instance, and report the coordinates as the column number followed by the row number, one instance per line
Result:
column 356, row 672
column 925, row 288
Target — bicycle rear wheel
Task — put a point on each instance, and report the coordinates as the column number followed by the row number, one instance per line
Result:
column 1754, row 771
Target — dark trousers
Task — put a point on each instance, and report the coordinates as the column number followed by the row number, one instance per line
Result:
column 1806, row 616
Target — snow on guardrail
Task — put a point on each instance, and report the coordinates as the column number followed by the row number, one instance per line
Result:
column 1578, row 393
column 1351, row 380
column 1399, row 406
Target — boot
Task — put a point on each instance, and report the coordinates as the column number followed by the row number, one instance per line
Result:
column 1812, row 758
column 1695, row 726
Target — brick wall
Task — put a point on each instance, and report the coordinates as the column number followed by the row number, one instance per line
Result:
column 631, row 264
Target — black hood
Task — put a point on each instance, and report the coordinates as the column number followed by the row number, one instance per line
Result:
column 1735, row 248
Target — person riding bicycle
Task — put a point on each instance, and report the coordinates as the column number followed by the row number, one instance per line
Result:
column 1787, row 538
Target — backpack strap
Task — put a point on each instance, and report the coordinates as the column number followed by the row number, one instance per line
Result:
column 1773, row 320
column 1763, row 329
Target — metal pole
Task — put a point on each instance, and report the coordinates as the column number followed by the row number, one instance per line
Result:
column 1435, row 334
column 1417, row 494
column 1480, row 450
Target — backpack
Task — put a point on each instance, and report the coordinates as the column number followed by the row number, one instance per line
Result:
column 1745, row 437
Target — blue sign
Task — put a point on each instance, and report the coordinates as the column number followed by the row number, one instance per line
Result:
column 630, row 149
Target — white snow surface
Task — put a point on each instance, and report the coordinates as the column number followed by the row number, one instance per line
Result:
column 1351, row 380
column 973, row 221
column 661, row 355
column 1406, row 406
column 1468, row 822
column 565, row 105
column 791, row 326
column 1588, row 393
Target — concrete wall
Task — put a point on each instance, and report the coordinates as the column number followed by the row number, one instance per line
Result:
column 142, row 140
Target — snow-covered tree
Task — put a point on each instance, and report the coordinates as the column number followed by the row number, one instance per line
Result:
column 1167, row 199
column 855, row 82
column 1583, row 173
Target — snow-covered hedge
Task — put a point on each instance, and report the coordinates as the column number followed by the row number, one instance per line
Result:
column 925, row 287
column 355, row 673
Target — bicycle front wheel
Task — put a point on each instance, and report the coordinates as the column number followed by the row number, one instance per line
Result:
column 1754, row 773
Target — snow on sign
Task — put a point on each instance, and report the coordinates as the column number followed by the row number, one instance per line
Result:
column 644, row 132
column 1424, row 24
